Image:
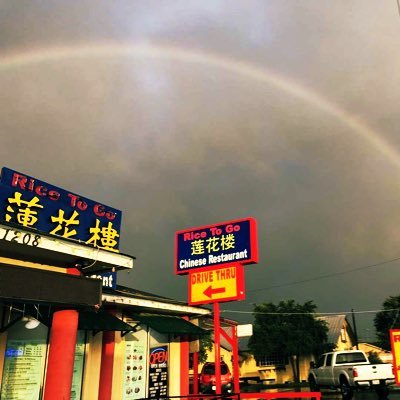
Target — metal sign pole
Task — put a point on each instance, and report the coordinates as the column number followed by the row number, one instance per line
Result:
column 217, row 341
column 235, row 350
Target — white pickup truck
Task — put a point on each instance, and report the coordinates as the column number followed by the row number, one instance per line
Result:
column 350, row 370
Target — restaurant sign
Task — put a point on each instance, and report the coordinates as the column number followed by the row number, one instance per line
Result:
column 109, row 279
column 216, row 245
column 35, row 204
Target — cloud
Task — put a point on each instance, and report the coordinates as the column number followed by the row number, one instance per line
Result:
column 178, row 144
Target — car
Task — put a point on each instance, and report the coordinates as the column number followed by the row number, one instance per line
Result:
column 207, row 379
column 350, row 370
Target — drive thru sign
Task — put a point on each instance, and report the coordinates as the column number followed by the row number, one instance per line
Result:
column 395, row 343
column 220, row 284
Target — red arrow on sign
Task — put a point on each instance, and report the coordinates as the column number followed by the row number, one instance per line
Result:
column 209, row 292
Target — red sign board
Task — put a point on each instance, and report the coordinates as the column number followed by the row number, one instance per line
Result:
column 217, row 245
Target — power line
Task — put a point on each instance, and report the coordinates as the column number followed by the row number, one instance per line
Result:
column 305, row 313
column 325, row 276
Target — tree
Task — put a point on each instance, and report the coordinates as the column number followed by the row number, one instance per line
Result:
column 373, row 358
column 387, row 319
column 206, row 345
column 288, row 329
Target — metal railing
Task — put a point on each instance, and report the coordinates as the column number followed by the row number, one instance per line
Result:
column 248, row 396
column 281, row 395
column 232, row 396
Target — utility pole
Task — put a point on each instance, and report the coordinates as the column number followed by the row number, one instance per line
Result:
column 354, row 327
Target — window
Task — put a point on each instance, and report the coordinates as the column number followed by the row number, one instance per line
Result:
column 320, row 362
column 328, row 360
column 343, row 335
column 24, row 362
column 209, row 370
column 277, row 360
column 352, row 358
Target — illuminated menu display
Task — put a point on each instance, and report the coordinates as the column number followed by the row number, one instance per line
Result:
column 23, row 369
column 158, row 372
column 134, row 371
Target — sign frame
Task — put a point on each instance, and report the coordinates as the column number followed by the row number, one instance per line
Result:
column 252, row 241
column 239, row 282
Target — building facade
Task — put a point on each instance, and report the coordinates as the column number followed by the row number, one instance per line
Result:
column 129, row 344
column 62, row 336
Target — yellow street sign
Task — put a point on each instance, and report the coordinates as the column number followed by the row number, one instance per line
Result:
column 395, row 343
column 215, row 285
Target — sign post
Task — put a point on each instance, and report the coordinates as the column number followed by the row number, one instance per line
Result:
column 235, row 350
column 217, row 340
column 214, row 256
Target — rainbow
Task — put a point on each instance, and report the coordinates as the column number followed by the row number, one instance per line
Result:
column 230, row 65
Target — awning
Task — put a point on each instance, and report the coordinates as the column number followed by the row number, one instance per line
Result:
column 92, row 321
column 32, row 285
column 168, row 324
column 101, row 321
column 58, row 251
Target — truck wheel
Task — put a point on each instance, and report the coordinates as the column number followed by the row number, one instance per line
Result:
column 313, row 385
column 382, row 392
column 346, row 390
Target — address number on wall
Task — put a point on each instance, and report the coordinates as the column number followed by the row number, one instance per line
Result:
column 13, row 235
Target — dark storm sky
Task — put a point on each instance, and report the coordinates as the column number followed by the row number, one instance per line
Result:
column 187, row 113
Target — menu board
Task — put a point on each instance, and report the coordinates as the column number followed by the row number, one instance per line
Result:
column 23, row 369
column 158, row 372
column 134, row 370
column 78, row 366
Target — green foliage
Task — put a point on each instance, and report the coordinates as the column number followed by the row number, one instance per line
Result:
column 386, row 320
column 206, row 345
column 289, row 329
column 373, row 358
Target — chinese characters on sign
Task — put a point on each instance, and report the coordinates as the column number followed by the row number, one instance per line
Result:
column 35, row 204
column 216, row 245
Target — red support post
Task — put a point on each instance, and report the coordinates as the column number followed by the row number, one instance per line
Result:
column 62, row 344
column 184, row 389
column 195, row 372
column 184, row 364
column 60, row 364
column 235, row 351
column 217, row 341
column 107, row 365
